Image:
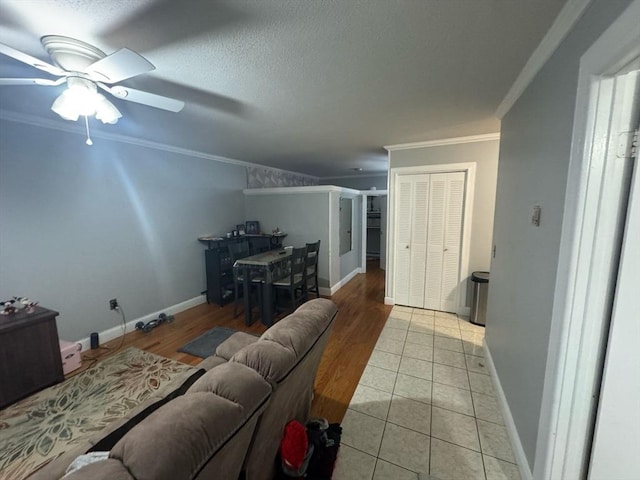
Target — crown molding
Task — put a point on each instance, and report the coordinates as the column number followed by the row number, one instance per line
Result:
column 564, row 22
column 444, row 141
column 116, row 137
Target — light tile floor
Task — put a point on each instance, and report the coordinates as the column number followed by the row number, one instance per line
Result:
column 425, row 405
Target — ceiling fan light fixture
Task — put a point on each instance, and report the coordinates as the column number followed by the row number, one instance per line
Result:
column 79, row 99
column 65, row 108
column 83, row 99
column 85, row 68
column 106, row 111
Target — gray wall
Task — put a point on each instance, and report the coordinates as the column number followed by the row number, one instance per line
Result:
column 534, row 159
column 81, row 225
column 485, row 155
column 358, row 183
column 304, row 217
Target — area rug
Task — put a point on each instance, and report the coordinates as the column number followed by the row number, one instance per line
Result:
column 205, row 345
column 42, row 427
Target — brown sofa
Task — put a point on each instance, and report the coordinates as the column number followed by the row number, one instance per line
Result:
column 232, row 418
column 198, row 435
column 287, row 356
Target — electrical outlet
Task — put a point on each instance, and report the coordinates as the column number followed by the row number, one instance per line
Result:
column 113, row 304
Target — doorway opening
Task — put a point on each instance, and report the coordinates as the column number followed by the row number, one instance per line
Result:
column 374, row 230
column 595, row 221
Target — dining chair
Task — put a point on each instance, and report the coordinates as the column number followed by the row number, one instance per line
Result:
column 260, row 245
column 237, row 251
column 295, row 277
column 313, row 250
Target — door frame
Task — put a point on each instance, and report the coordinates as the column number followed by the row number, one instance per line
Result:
column 576, row 334
column 469, row 168
column 365, row 194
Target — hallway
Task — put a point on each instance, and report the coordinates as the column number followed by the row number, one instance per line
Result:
column 426, row 404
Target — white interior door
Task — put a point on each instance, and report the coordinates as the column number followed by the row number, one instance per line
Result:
column 614, row 452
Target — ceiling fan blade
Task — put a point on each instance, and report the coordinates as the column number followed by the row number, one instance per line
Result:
column 31, row 81
column 29, row 60
column 119, row 66
column 145, row 98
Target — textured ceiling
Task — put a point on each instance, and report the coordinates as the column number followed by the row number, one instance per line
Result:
column 311, row 86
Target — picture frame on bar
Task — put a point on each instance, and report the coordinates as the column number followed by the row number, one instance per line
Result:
column 240, row 229
column 253, row 227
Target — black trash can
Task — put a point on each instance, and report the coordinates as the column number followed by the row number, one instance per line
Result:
column 479, row 302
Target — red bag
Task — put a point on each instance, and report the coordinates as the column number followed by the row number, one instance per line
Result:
column 294, row 444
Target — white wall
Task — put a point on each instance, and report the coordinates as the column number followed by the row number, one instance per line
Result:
column 485, row 155
column 81, row 225
column 534, row 157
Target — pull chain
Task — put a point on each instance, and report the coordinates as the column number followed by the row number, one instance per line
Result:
column 86, row 123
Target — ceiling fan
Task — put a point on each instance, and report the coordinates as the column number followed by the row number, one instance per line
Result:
column 85, row 69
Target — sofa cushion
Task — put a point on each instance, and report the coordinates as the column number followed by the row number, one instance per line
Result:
column 235, row 382
column 271, row 360
column 234, row 343
column 297, row 333
column 107, row 442
column 211, row 362
column 302, row 328
column 322, row 309
column 177, row 440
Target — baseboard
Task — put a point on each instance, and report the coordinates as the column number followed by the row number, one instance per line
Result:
column 324, row 291
column 115, row 332
column 344, row 281
column 389, row 301
column 516, row 444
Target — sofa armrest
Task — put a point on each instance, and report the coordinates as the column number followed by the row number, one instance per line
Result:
column 234, row 343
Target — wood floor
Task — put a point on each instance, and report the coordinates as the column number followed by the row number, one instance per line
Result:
column 361, row 317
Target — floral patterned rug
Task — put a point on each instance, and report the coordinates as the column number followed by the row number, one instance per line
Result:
column 42, row 427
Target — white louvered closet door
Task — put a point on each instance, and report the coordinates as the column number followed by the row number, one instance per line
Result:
column 452, row 241
column 429, row 216
column 442, row 275
column 404, row 214
column 418, row 245
column 435, row 243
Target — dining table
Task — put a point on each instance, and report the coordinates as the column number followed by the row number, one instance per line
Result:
column 263, row 266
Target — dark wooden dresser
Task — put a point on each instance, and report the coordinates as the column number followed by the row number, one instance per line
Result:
column 29, row 354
